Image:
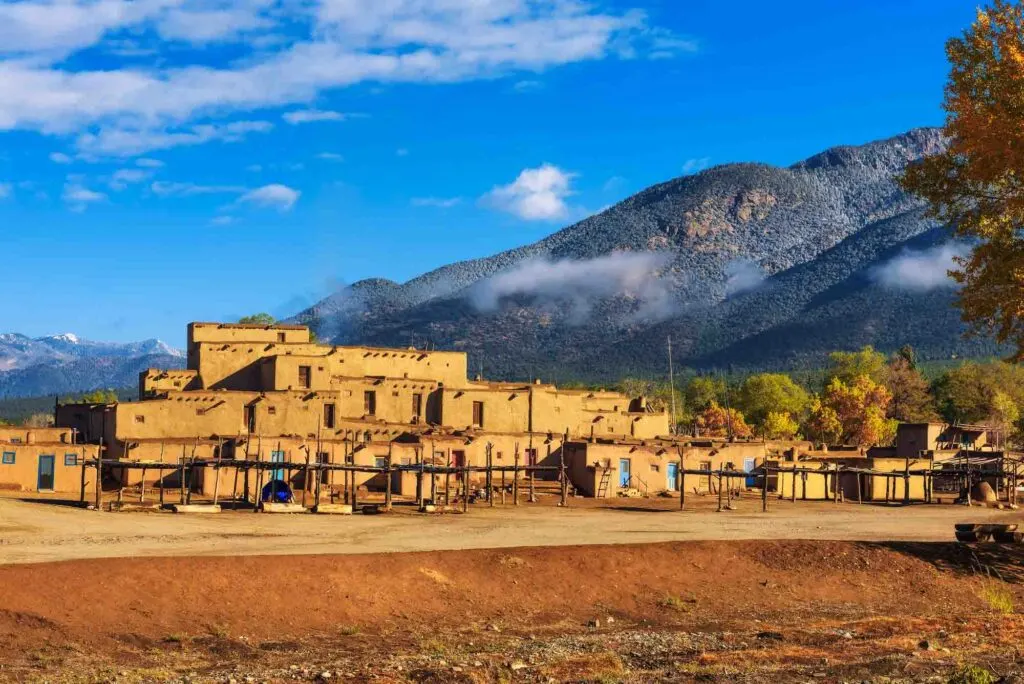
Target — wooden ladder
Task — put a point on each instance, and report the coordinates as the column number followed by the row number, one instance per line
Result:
column 602, row 487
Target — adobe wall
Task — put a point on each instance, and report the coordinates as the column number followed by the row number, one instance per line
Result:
column 23, row 473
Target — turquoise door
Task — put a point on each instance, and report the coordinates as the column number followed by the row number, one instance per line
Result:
column 673, row 476
column 277, row 457
column 748, row 467
column 624, row 476
column 45, row 480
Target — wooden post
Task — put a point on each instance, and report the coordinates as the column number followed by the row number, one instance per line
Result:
column 305, row 479
column 490, row 475
column 967, row 478
column 258, row 493
column 163, row 482
column 465, row 484
column 682, row 482
column 355, row 495
column 860, row 494
column 216, row 476
column 191, row 472
column 181, row 474
column 764, row 487
column 503, row 485
column 906, row 482
column 82, row 497
column 719, row 489
column 387, row 483
column 419, row 478
column 515, row 478
column 532, row 456
column 563, row 476
column 836, row 492
column 792, row 497
column 142, row 486
column 447, row 480
column 99, row 476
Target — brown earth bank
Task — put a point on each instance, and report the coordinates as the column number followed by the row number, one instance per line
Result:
column 684, row 611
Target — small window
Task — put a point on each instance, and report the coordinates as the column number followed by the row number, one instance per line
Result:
column 271, row 410
column 381, row 461
column 304, row 376
column 417, row 405
column 281, row 337
column 70, row 459
column 329, row 416
column 478, row 413
column 199, row 412
column 140, row 419
column 370, row 403
column 15, row 440
column 349, row 459
column 8, row 458
column 250, row 418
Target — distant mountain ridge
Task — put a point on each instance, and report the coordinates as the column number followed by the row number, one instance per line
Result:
column 61, row 364
column 744, row 265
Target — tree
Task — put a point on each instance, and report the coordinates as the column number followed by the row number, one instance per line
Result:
column 765, row 393
column 823, row 423
column 40, row 420
column 95, row 397
column 860, row 410
column 849, row 366
column 976, row 184
column 970, row 392
column 779, row 425
column 911, row 398
column 716, row 421
column 702, row 391
column 258, row 319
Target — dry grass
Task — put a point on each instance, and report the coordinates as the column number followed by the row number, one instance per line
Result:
column 998, row 598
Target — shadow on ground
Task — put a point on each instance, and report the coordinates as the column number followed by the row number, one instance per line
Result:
column 999, row 561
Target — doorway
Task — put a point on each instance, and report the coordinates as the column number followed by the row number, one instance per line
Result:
column 277, row 457
column 44, row 482
column 673, row 477
column 624, row 472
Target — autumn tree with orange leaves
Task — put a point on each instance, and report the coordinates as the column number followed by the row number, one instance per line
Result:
column 717, row 421
column 976, row 185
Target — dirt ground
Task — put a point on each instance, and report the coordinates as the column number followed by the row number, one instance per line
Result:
column 633, row 591
column 38, row 530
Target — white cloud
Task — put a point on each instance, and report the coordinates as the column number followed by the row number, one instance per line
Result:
column 921, row 270
column 60, row 158
column 311, row 115
column 222, row 220
column 169, row 189
column 254, row 168
column 697, row 165
column 122, row 178
column 330, row 156
column 527, row 86
column 149, row 163
column 282, row 55
column 742, row 275
column 78, row 196
column 581, row 283
column 126, row 142
column 275, row 195
column 438, row 202
column 536, row 195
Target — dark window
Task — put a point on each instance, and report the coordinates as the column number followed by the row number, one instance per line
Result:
column 250, row 418
column 8, row 458
column 417, row 405
column 370, row 403
column 70, row 459
column 304, row 376
column 280, row 337
column 329, row 416
column 381, row 461
column 478, row 413
column 140, row 419
column 272, row 410
column 15, row 440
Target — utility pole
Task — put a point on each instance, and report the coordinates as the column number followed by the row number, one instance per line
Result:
column 671, row 386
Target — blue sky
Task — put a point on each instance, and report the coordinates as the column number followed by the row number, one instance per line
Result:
column 172, row 160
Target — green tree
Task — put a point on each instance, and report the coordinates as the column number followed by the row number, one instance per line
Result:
column 765, row 393
column 860, row 409
column 102, row 396
column 849, row 366
column 975, row 183
column 702, row 391
column 971, row 392
column 258, row 319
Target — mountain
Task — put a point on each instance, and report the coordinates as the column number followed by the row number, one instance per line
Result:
column 747, row 266
column 62, row 364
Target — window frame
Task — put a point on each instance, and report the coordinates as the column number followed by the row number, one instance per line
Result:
column 73, row 458
column 9, row 458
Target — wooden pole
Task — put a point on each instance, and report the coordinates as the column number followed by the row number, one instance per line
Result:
column 503, row 485
column 490, row 475
column 216, row 476
column 465, row 484
column 764, row 487
column 792, row 497
column 719, row 489
column 163, row 482
column 181, row 475
column 835, row 494
column 563, row 476
column 387, row 484
column 81, row 499
column 860, row 493
column 515, row 478
column 682, row 482
column 906, row 482
column 142, row 487
column 305, row 479
column 447, row 480
column 419, row 478
column 99, row 476
column 258, row 492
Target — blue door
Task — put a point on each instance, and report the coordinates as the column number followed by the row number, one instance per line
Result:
column 44, row 482
column 748, row 467
column 673, row 475
column 277, row 457
column 624, row 476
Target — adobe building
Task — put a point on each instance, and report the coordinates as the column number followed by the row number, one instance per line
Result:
column 44, row 460
column 268, row 392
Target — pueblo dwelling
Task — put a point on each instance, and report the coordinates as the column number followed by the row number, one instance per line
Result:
column 269, row 393
column 44, row 460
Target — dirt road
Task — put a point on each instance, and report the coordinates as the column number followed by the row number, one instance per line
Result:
column 34, row 531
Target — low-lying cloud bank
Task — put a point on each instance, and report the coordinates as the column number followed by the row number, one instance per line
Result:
column 921, row 270
column 582, row 283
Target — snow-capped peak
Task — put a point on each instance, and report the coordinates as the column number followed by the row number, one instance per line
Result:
column 70, row 338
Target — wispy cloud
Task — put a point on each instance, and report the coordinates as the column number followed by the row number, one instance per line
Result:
column 527, row 86
column 126, row 142
column 695, row 165
column 170, row 189
column 743, row 275
column 78, row 196
column 277, row 196
column 437, row 202
column 536, row 194
column 302, row 116
column 60, row 158
column 149, row 163
column 330, row 156
column 222, row 220
column 122, row 178
column 921, row 270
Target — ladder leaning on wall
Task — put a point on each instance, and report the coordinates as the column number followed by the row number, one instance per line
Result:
column 602, row 486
